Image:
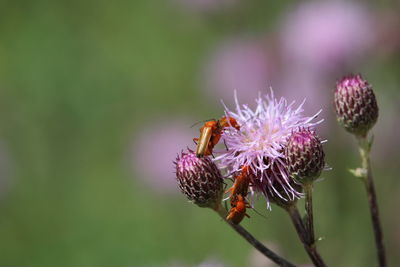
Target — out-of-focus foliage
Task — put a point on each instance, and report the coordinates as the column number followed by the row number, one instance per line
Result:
column 83, row 82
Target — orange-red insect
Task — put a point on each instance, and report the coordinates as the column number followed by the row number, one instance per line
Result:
column 238, row 210
column 239, row 191
column 210, row 134
column 241, row 183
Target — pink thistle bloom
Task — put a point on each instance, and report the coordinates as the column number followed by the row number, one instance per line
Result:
column 260, row 144
column 238, row 64
column 325, row 35
column 162, row 138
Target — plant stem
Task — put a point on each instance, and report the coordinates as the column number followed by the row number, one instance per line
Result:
column 308, row 188
column 253, row 241
column 364, row 148
column 304, row 236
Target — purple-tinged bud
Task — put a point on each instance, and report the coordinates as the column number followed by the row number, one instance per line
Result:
column 355, row 105
column 305, row 157
column 199, row 179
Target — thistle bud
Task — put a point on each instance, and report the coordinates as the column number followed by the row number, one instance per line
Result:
column 355, row 105
column 199, row 179
column 305, row 157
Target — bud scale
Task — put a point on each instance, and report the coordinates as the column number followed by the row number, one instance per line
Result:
column 355, row 105
column 304, row 155
column 199, row 179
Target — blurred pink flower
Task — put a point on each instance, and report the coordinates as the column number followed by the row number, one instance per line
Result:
column 242, row 65
column 299, row 84
column 156, row 147
column 326, row 34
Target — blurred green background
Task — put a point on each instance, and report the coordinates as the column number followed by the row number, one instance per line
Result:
column 83, row 82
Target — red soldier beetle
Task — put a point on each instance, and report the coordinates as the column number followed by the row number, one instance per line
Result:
column 238, row 210
column 210, row 134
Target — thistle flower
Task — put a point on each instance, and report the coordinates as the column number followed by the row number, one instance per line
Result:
column 199, row 179
column 305, row 157
column 310, row 39
column 243, row 64
column 260, row 144
column 162, row 137
column 355, row 105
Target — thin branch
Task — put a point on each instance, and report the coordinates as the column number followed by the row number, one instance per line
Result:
column 309, row 211
column 365, row 147
column 304, row 236
column 254, row 242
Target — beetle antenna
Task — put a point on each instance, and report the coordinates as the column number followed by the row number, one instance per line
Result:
column 262, row 215
column 196, row 123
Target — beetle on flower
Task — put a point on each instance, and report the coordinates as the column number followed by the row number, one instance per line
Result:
column 261, row 141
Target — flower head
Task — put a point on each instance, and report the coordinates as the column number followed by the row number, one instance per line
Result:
column 305, row 157
column 355, row 105
column 241, row 64
column 163, row 137
column 317, row 34
column 199, row 179
column 261, row 141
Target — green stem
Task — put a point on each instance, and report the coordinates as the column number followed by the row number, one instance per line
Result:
column 308, row 188
column 365, row 148
column 304, row 236
column 253, row 241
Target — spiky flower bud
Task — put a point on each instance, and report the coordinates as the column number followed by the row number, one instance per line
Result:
column 355, row 105
column 199, row 179
column 304, row 155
